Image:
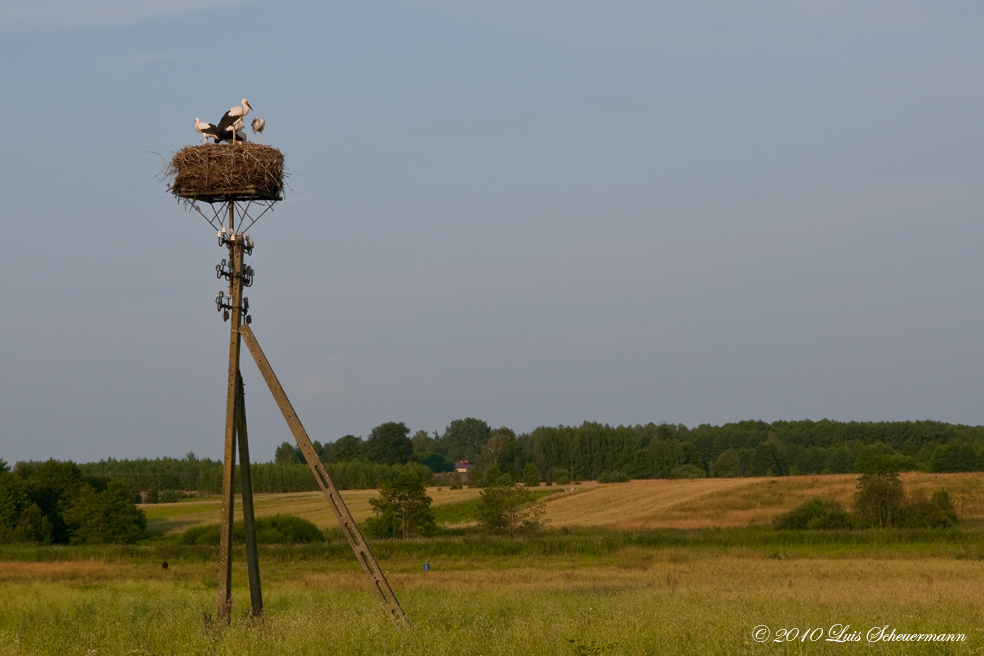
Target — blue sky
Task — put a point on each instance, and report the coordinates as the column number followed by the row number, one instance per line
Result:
column 530, row 212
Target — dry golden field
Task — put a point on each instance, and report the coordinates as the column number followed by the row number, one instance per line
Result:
column 726, row 502
column 636, row 505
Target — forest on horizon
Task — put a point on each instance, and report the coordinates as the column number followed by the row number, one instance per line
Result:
column 591, row 451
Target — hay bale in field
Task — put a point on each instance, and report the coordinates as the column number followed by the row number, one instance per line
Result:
column 217, row 173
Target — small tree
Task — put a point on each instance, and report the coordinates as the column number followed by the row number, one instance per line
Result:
column 402, row 508
column 880, row 499
column 509, row 509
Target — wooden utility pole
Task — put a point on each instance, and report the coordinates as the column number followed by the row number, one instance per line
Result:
column 235, row 307
column 235, row 430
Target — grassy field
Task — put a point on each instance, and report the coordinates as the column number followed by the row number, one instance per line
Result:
column 647, row 567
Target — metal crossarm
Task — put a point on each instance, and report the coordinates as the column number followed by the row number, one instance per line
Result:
column 342, row 514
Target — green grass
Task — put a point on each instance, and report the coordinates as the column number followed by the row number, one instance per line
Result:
column 656, row 601
column 474, row 544
column 562, row 592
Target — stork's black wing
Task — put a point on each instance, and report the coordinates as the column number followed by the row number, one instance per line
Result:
column 226, row 121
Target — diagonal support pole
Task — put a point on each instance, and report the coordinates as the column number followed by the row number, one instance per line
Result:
column 246, row 483
column 335, row 502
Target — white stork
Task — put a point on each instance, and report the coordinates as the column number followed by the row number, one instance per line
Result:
column 206, row 130
column 235, row 114
column 234, row 132
column 258, row 125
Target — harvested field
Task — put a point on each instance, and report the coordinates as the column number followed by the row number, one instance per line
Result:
column 726, row 502
column 635, row 505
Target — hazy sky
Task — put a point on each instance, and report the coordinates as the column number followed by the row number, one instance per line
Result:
column 534, row 213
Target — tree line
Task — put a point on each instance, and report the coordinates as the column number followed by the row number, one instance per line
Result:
column 55, row 503
column 591, row 451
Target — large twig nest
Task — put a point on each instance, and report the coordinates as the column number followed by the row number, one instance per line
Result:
column 220, row 172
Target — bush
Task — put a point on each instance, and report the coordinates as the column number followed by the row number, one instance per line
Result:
column 880, row 499
column 688, row 471
column 560, row 476
column 612, row 477
column 509, row 509
column 936, row 512
column 278, row 529
column 814, row 514
column 402, row 508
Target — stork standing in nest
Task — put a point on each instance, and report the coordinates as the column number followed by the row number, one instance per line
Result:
column 206, row 130
column 258, row 125
column 234, row 132
column 230, row 118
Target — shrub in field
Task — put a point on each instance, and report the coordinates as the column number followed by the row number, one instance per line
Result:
column 880, row 499
column 937, row 511
column 880, row 502
column 402, row 508
column 286, row 529
column 612, row 477
column 560, row 476
column 531, row 475
column 278, row 529
column 509, row 509
column 814, row 514
column 688, row 471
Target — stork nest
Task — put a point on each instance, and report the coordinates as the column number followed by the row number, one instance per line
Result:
column 221, row 172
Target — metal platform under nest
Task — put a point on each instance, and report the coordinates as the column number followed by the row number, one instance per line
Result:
column 226, row 195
